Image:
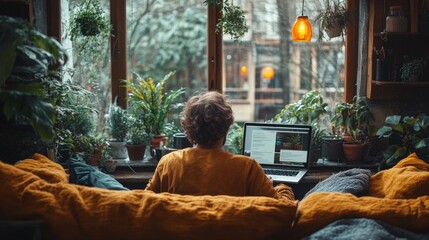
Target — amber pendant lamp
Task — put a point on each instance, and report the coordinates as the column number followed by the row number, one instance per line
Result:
column 301, row 30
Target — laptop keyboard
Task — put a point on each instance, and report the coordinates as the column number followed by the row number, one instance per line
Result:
column 281, row 172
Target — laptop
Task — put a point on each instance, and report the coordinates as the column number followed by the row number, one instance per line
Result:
column 282, row 150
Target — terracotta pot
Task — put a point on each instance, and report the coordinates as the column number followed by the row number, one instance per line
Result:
column 136, row 152
column 110, row 165
column 155, row 142
column 347, row 137
column 95, row 158
column 353, row 151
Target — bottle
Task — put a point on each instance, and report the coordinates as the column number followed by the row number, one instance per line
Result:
column 396, row 22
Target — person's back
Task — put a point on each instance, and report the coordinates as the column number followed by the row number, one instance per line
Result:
column 207, row 169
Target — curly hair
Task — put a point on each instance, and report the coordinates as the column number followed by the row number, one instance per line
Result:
column 206, row 118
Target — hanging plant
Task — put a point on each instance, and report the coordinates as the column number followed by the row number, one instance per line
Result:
column 233, row 21
column 89, row 20
column 333, row 20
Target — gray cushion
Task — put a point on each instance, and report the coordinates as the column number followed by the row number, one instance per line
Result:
column 354, row 181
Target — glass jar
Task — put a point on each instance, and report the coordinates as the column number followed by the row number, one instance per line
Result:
column 396, row 22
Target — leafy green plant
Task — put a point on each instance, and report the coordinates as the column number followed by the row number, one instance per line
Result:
column 333, row 15
column 118, row 123
column 26, row 59
column 89, row 20
column 233, row 21
column 136, row 132
column 89, row 147
column 310, row 109
column 413, row 69
column 234, row 139
column 152, row 104
column 406, row 134
column 354, row 118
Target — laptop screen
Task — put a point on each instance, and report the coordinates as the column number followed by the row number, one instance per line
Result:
column 277, row 144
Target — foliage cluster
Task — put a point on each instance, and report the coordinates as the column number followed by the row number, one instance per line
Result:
column 27, row 58
column 334, row 14
column 89, row 20
column 117, row 123
column 354, row 118
column 151, row 102
column 311, row 110
column 413, row 68
column 406, row 134
column 233, row 21
column 234, row 139
column 136, row 131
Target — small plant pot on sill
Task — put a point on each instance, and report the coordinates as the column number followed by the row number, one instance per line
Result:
column 136, row 152
column 354, row 151
column 155, row 142
column 332, row 148
column 95, row 158
column 119, row 151
column 110, row 165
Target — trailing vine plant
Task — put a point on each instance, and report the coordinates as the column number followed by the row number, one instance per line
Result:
column 233, row 21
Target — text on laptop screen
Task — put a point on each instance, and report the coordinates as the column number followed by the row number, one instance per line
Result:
column 276, row 144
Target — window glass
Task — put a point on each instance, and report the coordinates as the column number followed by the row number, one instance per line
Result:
column 88, row 65
column 277, row 70
column 165, row 36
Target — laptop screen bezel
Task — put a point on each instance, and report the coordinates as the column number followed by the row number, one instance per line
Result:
column 307, row 128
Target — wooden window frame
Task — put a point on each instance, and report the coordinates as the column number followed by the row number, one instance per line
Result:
column 214, row 49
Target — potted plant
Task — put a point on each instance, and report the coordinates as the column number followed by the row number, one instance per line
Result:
column 233, row 21
column 151, row 104
column 405, row 134
column 108, row 163
column 29, row 59
column 137, row 139
column 89, row 148
column 413, row 70
column 310, row 109
column 89, row 20
column 333, row 19
column 117, row 124
column 353, row 121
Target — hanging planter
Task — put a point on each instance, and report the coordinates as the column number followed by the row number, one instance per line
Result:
column 233, row 21
column 89, row 26
column 89, row 20
column 333, row 20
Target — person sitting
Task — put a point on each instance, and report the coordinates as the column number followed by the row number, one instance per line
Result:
column 206, row 168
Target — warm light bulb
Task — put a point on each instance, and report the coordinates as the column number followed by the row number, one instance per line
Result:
column 301, row 30
column 243, row 71
column 268, row 72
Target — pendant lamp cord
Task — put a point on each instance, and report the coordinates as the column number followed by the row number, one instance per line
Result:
column 302, row 10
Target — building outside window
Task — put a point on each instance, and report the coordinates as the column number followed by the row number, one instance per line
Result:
column 262, row 72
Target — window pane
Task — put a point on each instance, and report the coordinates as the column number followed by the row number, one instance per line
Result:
column 266, row 70
column 88, row 65
column 164, row 36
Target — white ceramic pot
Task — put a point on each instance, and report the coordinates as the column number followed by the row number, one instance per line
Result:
column 119, row 151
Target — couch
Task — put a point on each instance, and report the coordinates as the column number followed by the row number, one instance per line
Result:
column 395, row 203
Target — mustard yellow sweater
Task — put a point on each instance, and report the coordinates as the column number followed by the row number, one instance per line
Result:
column 195, row 171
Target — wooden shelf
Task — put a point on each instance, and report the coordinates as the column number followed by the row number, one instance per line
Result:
column 406, row 35
column 400, row 84
column 397, row 47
